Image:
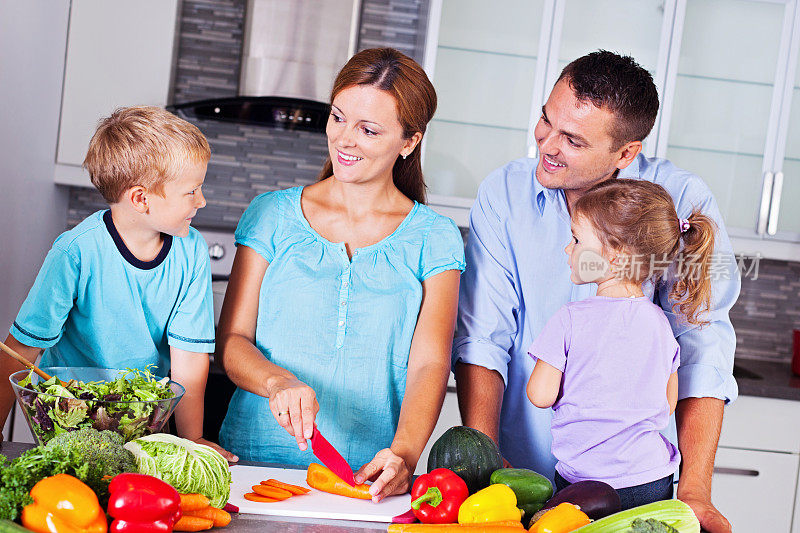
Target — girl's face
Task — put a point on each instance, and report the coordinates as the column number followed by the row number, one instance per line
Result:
column 365, row 137
column 587, row 259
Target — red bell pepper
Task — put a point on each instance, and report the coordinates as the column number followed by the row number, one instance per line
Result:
column 436, row 496
column 142, row 504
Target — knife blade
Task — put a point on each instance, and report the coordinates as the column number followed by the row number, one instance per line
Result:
column 326, row 453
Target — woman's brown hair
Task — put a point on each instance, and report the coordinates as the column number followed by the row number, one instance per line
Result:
column 392, row 71
column 638, row 219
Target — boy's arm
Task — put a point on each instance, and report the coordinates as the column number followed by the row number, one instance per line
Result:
column 7, row 367
column 190, row 369
column 544, row 384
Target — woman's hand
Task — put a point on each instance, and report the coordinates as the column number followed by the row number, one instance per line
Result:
column 392, row 473
column 230, row 457
column 294, row 405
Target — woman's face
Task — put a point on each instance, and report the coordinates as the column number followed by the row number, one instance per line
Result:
column 364, row 135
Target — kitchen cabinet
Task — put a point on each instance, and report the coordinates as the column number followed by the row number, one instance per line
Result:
column 119, row 53
column 756, row 467
column 728, row 82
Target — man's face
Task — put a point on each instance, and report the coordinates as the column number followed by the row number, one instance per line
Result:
column 575, row 144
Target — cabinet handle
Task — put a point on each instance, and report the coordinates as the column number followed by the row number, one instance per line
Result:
column 763, row 211
column 735, row 471
column 775, row 204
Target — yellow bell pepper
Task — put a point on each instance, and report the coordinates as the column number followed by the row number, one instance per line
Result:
column 64, row 504
column 562, row 518
column 495, row 503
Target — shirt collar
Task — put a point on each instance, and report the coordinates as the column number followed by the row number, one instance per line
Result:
column 631, row 172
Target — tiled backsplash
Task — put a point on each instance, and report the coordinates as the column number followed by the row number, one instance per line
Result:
column 248, row 160
column 767, row 310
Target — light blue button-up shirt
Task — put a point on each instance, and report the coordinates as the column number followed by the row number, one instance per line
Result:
column 517, row 277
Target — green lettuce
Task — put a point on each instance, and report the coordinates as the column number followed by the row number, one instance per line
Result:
column 186, row 465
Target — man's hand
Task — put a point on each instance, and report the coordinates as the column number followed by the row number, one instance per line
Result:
column 710, row 518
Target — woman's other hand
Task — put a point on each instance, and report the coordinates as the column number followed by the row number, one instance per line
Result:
column 294, row 405
column 390, row 473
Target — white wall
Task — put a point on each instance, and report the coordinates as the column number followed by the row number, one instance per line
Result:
column 33, row 210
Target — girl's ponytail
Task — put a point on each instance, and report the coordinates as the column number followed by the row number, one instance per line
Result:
column 692, row 289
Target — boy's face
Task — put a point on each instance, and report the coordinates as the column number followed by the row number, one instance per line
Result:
column 172, row 213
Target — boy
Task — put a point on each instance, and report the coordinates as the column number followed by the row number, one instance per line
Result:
column 130, row 286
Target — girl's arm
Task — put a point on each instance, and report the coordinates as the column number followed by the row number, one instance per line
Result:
column 544, row 384
column 190, row 369
column 426, row 383
column 292, row 402
column 672, row 391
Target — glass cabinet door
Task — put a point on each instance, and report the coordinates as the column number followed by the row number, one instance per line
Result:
column 484, row 81
column 721, row 112
column 788, row 221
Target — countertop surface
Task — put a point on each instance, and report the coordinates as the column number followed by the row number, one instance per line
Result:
column 766, row 379
column 246, row 523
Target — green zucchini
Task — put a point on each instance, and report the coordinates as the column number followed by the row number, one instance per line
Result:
column 673, row 512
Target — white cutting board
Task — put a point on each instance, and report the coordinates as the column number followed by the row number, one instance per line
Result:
column 315, row 504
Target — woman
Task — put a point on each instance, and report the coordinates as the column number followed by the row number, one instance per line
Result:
column 342, row 298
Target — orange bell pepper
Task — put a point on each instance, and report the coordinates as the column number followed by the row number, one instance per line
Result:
column 64, row 504
column 322, row 478
column 562, row 518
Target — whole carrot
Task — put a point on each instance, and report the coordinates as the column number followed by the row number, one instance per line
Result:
column 193, row 502
column 322, row 478
column 218, row 516
column 192, row 523
column 294, row 489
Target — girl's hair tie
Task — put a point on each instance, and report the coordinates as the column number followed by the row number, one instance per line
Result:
column 684, row 224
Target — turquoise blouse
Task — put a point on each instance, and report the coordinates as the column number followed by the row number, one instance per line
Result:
column 343, row 326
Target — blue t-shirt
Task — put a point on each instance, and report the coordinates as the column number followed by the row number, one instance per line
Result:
column 616, row 355
column 342, row 326
column 94, row 304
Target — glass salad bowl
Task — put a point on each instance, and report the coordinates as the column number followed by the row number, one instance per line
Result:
column 132, row 403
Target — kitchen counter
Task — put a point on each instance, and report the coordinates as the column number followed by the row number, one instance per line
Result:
column 247, row 523
column 766, row 379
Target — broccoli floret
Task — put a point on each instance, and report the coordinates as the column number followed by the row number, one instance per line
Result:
column 651, row 525
column 101, row 451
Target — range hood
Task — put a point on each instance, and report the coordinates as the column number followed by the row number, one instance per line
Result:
column 292, row 51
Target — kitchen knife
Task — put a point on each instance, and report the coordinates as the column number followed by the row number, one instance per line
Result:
column 326, row 453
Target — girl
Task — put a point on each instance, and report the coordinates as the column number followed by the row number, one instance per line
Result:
column 607, row 364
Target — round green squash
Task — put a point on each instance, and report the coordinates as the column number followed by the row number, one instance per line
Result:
column 467, row 452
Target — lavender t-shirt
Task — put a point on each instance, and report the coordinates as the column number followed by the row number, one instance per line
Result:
column 616, row 355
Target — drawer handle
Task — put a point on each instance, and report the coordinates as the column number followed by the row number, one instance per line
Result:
column 735, row 471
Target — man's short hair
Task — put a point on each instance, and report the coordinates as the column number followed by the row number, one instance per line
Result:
column 619, row 84
column 145, row 146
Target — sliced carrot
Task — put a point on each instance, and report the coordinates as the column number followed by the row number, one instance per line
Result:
column 193, row 502
column 322, row 478
column 218, row 516
column 272, row 492
column 294, row 489
column 253, row 497
column 192, row 523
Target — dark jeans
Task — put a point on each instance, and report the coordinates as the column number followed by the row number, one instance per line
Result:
column 660, row 489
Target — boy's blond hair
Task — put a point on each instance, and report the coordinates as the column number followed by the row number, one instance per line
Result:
column 142, row 145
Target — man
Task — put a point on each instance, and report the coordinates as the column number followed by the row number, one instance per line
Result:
column 517, row 276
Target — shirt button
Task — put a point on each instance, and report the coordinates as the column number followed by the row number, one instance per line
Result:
column 342, row 303
column 344, row 284
column 341, row 323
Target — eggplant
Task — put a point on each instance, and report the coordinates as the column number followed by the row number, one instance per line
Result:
column 595, row 498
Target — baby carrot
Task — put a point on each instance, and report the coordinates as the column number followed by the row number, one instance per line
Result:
column 193, row 502
column 253, row 497
column 192, row 523
column 218, row 516
column 294, row 489
column 322, row 478
column 272, row 492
